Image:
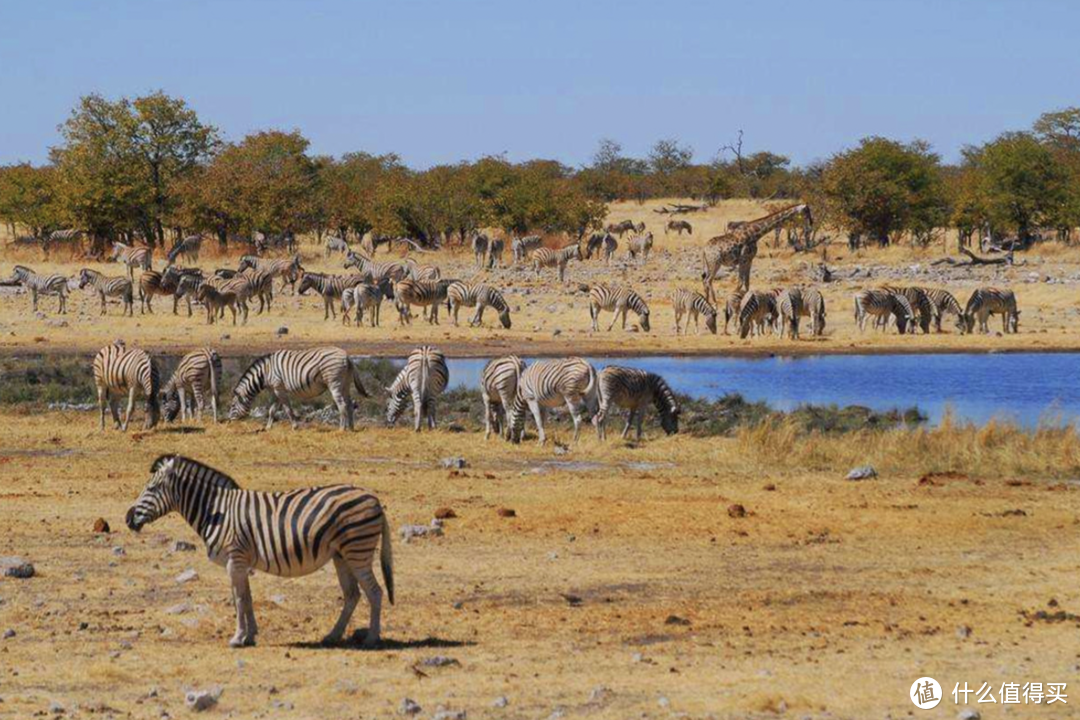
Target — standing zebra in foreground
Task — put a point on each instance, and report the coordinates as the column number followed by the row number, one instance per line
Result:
column 618, row 300
column 640, row 245
column 881, row 303
column 299, row 375
column 118, row 370
column 632, row 390
column 188, row 248
column 480, row 296
column 603, row 245
column 498, row 385
column 523, row 248
column 987, row 301
column 330, row 287
column 117, row 287
column 424, row 376
column 132, row 257
column 288, row 534
column 757, row 313
column 199, row 372
column 553, row 383
column 693, row 305
column 945, row 302
column 53, row 284
column 548, row 258
column 791, row 306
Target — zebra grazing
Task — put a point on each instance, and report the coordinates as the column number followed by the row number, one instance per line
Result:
column 480, row 243
column 757, row 313
column 987, row 301
column 365, row 296
column 495, row 252
column 300, row 375
column 330, row 287
column 693, row 305
column 423, row 293
column 881, row 304
column 118, row 370
column 945, row 302
column 618, row 300
column 394, row 270
column 920, row 301
column 480, row 296
column 198, row 372
column 621, row 228
column 603, row 245
column 732, row 306
column 633, row 390
column 553, row 383
column 336, row 244
column 679, row 226
column 498, row 385
column 132, row 257
column 814, row 308
column 791, row 305
column 187, row 247
column 288, row 269
column 548, row 258
column 424, row 376
column 288, row 534
column 523, row 248
column 53, row 284
column 106, row 287
column 640, row 245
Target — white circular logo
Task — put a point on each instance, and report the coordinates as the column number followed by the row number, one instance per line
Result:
column 925, row 693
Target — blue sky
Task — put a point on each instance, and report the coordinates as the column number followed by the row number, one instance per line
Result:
column 444, row 81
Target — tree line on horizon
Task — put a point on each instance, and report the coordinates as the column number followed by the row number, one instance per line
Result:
column 150, row 168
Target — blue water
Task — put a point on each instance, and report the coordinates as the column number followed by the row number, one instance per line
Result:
column 1027, row 388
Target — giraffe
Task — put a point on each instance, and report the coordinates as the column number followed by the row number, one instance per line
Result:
column 737, row 248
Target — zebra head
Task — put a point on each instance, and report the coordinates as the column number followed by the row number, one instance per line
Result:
column 246, row 262
column 86, row 277
column 667, row 407
column 248, row 388
column 170, row 405
column 1014, row 322
column 158, row 498
column 710, row 322
column 308, row 281
column 504, row 317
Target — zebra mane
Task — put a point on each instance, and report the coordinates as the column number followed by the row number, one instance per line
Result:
column 249, row 382
column 189, row 469
column 663, row 395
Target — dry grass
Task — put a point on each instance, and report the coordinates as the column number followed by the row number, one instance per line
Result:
column 824, row 582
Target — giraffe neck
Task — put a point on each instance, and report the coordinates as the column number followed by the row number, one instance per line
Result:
column 754, row 230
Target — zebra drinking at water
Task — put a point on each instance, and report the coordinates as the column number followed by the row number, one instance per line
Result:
column 117, row 370
column 288, row 534
column 693, row 305
column 987, row 301
column 881, row 303
column 199, row 372
column 553, row 383
column 618, row 300
column 107, row 287
column 498, row 385
column 298, row 375
column 791, row 306
column 132, row 257
column 480, row 296
column 523, row 248
column 944, row 302
column 53, row 284
column 424, row 376
column 732, row 306
column 757, row 313
column 633, row 390
column 548, row 258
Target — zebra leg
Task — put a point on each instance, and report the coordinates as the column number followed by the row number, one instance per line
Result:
column 103, row 400
column 183, row 402
column 344, row 406
column 200, row 400
column 102, row 303
column 418, row 410
column 431, row 413
column 374, row 597
column 538, row 416
column 640, row 419
column 478, row 318
column 629, row 421
column 594, row 312
column 33, row 296
column 245, row 612
column 350, row 592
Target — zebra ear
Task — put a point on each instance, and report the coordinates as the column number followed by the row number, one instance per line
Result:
column 161, row 462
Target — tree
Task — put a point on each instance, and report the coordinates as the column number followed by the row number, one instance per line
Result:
column 667, row 156
column 28, row 197
column 349, row 190
column 1060, row 129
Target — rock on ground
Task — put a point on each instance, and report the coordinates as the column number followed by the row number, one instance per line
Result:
column 16, row 567
column 863, row 472
column 199, row 700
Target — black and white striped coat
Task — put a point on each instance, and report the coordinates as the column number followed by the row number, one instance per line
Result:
column 791, row 306
column 298, row 375
column 330, row 287
column 925, row 310
column 364, row 297
column 133, row 257
column 35, row 284
column 288, row 534
column 288, row 269
column 618, row 300
column 548, row 258
column 199, row 373
column 186, row 290
column 416, row 271
column 758, row 313
column 424, row 377
column 335, row 244
column 987, row 301
column 394, row 270
column 693, row 305
column 523, row 248
column 732, row 306
column 215, row 299
column 118, row 370
column 480, row 243
column 479, row 295
column 640, row 245
column 945, row 303
column 554, row 383
column 603, row 245
column 187, row 247
column 814, row 307
column 882, row 303
column 107, row 287
column 422, row 293
column 634, row 390
column 495, row 252
column 498, row 386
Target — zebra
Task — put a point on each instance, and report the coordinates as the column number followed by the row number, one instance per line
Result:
column 301, row 375
column 330, row 287
column 188, row 247
column 424, row 376
column 732, row 306
column 495, row 252
column 424, row 293
column 132, row 257
column 199, row 372
column 480, row 296
column 392, row 269
column 498, row 385
column 619, row 300
column 546, row 257
column 692, row 304
column 881, row 303
column 633, row 390
column 152, row 283
column 920, row 302
column 289, row 269
column 480, row 243
column 791, row 306
column 814, row 308
column 417, row 271
column 621, row 228
column 288, row 534
column 260, row 285
column 553, row 383
column 336, row 244
column 523, row 248
column 216, row 300
column 678, row 226
column 109, row 287
column 987, row 301
column 116, row 370
column 640, row 245
column 241, row 287
column 53, row 284
column 945, row 302
column 603, row 245
column 365, row 296
column 758, row 311
column 186, row 289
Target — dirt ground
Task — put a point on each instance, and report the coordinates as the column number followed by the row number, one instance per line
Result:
column 549, row 318
column 625, row 586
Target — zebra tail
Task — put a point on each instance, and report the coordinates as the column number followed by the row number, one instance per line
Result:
column 215, row 370
column 386, row 559
column 356, row 379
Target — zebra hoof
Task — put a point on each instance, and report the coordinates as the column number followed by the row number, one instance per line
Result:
column 330, row 640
